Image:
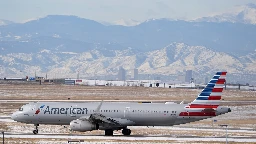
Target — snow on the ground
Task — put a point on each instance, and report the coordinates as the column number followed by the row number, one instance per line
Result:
column 171, row 128
column 132, row 138
column 4, row 116
column 6, row 120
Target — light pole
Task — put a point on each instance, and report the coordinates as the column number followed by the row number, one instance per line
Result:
column 225, row 125
column 3, row 136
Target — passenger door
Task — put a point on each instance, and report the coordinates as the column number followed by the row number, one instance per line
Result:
column 126, row 112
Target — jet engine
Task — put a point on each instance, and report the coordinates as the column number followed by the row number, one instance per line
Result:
column 82, row 126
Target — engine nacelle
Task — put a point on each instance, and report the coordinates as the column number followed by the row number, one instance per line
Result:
column 82, row 126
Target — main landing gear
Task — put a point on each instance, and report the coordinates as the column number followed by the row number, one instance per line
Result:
column 36, row 130
column 126, row 131
column 108, row 132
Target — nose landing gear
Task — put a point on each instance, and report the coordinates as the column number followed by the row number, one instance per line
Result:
column 36, row 130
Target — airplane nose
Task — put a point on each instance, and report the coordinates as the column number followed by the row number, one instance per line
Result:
column 14, row 116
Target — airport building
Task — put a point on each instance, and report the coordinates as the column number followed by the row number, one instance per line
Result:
column 134, row 74
column 121, row 74
column 188, row 76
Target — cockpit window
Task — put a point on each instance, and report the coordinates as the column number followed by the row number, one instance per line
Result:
column 21, row 109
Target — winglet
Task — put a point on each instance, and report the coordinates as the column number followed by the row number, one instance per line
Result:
column 182, row 102
column 98, row 108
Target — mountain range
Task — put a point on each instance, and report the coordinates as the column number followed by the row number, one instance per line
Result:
column 62, row 46
column 240, row 14
column 5, row 22
column 170, row 60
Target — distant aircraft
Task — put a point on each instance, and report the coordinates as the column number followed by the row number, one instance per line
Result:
column 110, row 116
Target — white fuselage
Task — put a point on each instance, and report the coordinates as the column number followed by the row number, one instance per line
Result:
column 141, row 114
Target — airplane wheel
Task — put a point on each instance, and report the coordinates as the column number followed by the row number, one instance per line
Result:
column 35, row 131
column 109, row 132
column 126, row 132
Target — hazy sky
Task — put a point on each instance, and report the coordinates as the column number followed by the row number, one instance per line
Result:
column 112, row 10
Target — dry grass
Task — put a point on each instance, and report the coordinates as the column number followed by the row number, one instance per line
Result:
column 35, row 140
column 27, row 141
column 63, row 92
column 9, row 108
column 3, row 127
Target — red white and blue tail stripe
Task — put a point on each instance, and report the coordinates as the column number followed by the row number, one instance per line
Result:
column 211, row 95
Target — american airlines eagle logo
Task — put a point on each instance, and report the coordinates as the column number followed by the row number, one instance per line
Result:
column 38, row 110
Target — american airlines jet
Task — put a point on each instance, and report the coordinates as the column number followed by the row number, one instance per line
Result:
column 110, row 116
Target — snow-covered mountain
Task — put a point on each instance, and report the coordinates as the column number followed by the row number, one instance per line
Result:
column 239, row 14
column 121, row 22
column 5, row 22
column 128, row 22
column 63, row 45
column 172, row 59
column 80, row 33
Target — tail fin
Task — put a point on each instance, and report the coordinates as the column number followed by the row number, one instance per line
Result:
column 211, row 95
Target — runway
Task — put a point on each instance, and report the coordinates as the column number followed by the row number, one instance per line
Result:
column 219, row 136
column 128, row 138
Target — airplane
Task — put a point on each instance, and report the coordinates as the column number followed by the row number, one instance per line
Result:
column 110, row 116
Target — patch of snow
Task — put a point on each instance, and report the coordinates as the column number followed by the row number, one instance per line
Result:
column 128, row 22
column 6, row 120
column 72, row 53
column 130, row 138
column 56, row 36
column 23, row 41
column 21, row 56
column 8, row 36
column 45, row 51
column 17, row 37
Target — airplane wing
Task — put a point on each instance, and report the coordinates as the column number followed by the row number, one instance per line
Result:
column 99, row 118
